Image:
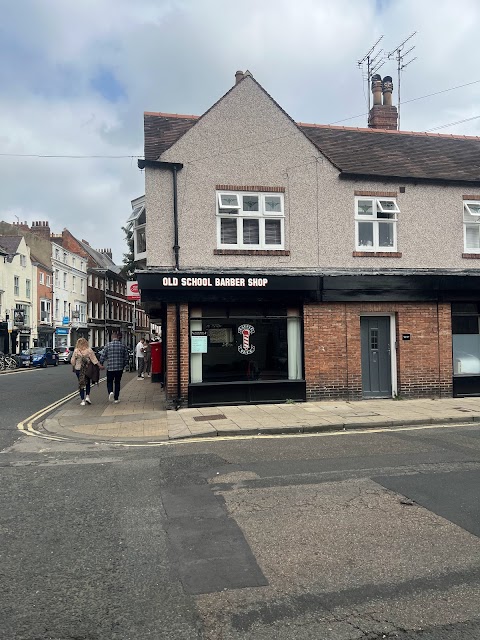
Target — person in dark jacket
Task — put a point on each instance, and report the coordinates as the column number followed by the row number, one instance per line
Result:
column 115, row 356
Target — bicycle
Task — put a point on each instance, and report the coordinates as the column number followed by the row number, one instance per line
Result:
column 8, row 361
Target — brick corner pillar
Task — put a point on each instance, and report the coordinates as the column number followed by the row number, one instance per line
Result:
column 171, row 374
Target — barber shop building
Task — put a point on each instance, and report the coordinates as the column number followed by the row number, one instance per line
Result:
column 292, row 261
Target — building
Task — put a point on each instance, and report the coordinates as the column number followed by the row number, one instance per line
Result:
column 70, row 287
column 301, row 261
column 17, row 295
column 44, row 330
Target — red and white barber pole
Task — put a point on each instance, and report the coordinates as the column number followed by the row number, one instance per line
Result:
column 246, row 348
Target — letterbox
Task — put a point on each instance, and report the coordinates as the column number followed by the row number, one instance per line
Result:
column 157, row 374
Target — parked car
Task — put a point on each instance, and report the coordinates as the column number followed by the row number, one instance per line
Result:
column 64, row 354
column 39, row 357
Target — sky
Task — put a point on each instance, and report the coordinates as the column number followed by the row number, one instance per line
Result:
column 75, row 79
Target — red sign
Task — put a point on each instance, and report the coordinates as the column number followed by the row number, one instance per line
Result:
column 133, row 292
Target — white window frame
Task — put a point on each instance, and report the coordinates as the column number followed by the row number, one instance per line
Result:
column 42, row 278
column 49, row 281
column 475, row 223
column 376, row 222
column 28, row 288
column 16, row 286
column 237, row 213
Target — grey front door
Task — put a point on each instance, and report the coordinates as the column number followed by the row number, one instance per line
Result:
column 376, row 357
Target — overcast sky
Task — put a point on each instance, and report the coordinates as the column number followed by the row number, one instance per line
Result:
column 76, row 77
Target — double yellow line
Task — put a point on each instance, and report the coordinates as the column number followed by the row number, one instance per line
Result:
column 26, row 426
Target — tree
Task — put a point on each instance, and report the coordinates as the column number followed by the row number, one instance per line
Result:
column 129, row 264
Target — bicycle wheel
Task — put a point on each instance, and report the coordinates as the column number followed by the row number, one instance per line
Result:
column 10, row 362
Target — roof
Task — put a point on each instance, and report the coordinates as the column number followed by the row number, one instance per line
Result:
column 10, row 245
column 102, row 259
column 356, row 151
column 162, row 130
column 401, row 154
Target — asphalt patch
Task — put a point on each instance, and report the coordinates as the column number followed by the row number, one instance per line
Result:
column 453, row 495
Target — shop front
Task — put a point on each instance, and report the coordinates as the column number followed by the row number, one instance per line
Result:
column 231, row 340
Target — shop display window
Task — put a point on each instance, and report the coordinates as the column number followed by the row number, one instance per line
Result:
column 243, row 344
column 466, row 339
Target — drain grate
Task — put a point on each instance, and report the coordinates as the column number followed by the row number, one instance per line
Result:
column 218, row 416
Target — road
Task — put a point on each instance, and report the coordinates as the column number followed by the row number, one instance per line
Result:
column 25, row 391
column 327, row 537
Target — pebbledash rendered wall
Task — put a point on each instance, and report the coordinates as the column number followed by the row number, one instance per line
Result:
column 333, row 349
column 245, row 139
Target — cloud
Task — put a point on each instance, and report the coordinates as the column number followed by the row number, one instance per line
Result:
column 76, row 78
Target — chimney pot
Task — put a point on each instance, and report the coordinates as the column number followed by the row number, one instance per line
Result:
column 377, row 89
column 387, row 88
column 238, row 76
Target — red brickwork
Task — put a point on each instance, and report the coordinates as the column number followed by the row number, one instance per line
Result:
column 236, row 187
column 333, row 349
column 251, row 252
column 171, row 345
column 376, row 194
column 377, row 254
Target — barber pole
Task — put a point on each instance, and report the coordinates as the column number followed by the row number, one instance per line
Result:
column 246, row 330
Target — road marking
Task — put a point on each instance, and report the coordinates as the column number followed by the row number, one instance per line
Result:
column 26, row 425
column 266, row 436
column 20, row 370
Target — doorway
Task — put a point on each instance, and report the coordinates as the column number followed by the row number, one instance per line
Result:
column 376, row 357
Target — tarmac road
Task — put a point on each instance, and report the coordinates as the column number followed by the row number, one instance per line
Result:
column 331, row 537
column 25, row 391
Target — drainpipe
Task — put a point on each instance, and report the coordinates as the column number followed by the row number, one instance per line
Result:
column 174, row 168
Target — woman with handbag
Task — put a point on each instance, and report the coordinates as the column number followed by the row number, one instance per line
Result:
column 83, row 359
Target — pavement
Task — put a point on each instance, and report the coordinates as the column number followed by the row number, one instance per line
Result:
column 141, row 416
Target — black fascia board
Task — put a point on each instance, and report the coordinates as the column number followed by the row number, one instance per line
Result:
column 159, row 164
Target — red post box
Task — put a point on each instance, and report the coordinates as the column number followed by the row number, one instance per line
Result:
column 157, row 374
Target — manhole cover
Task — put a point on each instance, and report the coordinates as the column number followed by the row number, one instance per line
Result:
column 218, row 416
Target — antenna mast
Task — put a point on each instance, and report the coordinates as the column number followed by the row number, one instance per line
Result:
column 370, row 64
column 400, row 55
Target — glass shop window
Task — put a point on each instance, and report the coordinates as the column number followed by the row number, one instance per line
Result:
column 466, row 339
column 251, row 347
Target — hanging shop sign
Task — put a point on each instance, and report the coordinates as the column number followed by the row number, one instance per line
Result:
column 19, row 317
column 133, row 292
column 246, row 348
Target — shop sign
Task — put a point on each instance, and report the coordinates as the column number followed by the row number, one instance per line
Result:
column 246, row 348
column 19, row 316
column 65, row 320
column 133, row 292
column 61, row 332
column 198, row 342
column 197, row 282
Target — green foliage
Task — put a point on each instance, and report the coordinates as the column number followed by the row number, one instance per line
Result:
column 129, row 264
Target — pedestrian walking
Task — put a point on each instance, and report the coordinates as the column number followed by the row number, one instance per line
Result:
column 115, row 356
column 140, row 354
column 83, row 358
column 148, row 358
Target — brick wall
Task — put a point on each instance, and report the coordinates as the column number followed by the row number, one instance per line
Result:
column 333, row 349
column 171, row 345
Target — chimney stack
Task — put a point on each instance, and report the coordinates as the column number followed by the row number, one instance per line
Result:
column 238, row 76
column 382, row 116
column 41, row 228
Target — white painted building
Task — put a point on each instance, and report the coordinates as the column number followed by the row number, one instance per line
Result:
column 18, row 295
column 70, row 295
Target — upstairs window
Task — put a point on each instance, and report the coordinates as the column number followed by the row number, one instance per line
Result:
column 250, row 220
column 42, row 278
column 376, row 224
column 471, row 226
